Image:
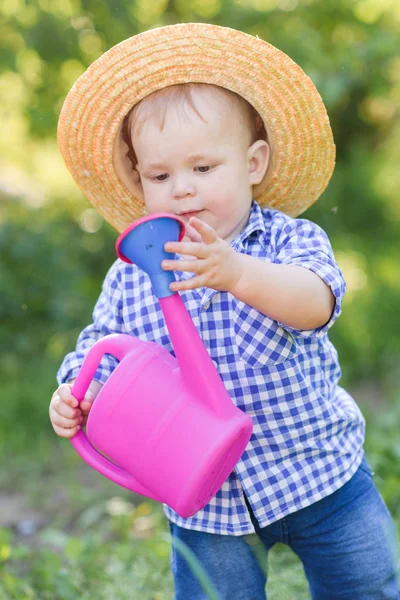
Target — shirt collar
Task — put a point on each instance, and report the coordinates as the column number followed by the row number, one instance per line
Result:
column 255, row 224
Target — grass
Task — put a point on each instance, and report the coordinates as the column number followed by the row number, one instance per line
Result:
column 96, row 540
column 73, row 534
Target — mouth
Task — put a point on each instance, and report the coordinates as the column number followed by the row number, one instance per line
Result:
column 190, row 213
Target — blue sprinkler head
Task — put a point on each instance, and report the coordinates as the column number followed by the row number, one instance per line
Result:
column 142, row 244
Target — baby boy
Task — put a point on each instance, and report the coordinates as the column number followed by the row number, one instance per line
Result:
column 262, row 288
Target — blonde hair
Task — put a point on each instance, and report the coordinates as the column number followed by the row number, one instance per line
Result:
column 181, row 95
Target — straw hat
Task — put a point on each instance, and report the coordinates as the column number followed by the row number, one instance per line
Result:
column 89, row 129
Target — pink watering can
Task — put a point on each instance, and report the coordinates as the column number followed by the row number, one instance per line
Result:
column 161, row 426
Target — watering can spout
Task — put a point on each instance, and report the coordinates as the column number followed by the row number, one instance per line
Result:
column 197, row 368
column 143, row 244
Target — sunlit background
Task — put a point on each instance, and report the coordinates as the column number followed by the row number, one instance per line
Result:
column 55, row 249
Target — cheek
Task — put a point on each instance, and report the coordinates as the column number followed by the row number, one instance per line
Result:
column 222, row 198
column 226, row 182
column 154, row 197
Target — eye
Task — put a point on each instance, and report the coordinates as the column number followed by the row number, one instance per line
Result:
column 204, row 169
column 161, row 177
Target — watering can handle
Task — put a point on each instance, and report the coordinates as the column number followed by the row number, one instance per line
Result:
column 118, row 345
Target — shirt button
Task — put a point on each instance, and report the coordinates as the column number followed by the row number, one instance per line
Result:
column 206, row 305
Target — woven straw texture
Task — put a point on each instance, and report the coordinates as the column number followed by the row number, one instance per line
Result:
column 284, row 96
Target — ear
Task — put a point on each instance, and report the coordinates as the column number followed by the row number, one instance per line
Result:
column 258, row 156
column 125, row 171
column 138, row 183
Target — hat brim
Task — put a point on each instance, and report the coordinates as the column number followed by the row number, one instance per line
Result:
column 284, row 96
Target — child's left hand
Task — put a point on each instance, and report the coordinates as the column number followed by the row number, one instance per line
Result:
column 216, row 263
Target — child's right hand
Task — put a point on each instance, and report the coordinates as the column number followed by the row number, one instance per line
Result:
column 67, row 416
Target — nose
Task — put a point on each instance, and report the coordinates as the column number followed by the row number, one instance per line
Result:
column 183, row 187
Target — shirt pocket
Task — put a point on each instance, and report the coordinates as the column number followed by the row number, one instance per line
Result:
column 261, row 341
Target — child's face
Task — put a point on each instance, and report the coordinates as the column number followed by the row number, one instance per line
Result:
column 200, row 166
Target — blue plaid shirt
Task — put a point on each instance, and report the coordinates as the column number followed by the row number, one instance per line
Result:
column 308, row 432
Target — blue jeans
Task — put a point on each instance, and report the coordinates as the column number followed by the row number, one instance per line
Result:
column 346, row 542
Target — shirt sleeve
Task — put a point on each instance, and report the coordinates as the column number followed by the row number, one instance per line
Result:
column 107, row 318
column 305, row 244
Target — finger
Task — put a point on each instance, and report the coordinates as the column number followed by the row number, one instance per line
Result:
column 64, row 409
column 64, row 422
column 189, row 284
column 192, row 234
column 89, row 397
column 188, row 248
column 206, row 231
column 191, row 266
column 64, row 391
column 85, row 407
column 66, row 433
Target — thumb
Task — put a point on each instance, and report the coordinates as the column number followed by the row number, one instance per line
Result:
column 89, row 396
column 87, row 402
